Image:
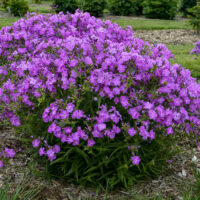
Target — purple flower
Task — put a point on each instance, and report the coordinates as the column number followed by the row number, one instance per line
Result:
column 133, row 112
column 1, row 163
column 124, row 101
column 36, row 143
column 9, row 152
column 169, row 130
column 68, row 130
column 64, row 114
column 15, row 121
column 91, row 143
column 114, row 118
column 152, row 134
column 131, row 131
column 70, row 107
column 166, row 72
column 101, row 126
column 144, row 133
column 64, row 138
column 116, row 129
column 121, row 68
column 88, row 61
column 56, row 148
column 42, row 151
column 77, row 114
column 148, row 105
column 152, row 114
column 177, row 101
column 135, row 160
column 51, row 155
column 196, row 49
column 73, row 63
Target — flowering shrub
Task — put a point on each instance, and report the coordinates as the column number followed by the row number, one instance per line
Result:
column 196, row 49
column 102, row 106
column 6, row 154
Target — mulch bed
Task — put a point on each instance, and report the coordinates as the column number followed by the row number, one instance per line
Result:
column 176, row 37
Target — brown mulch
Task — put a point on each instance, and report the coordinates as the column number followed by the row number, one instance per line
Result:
column 176, row 37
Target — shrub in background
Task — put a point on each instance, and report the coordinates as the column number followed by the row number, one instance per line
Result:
column 94, row 7
column 103, row 107
column 185, row 4
column 124, row 7
column 194, row 15
column 138, row 7
column 38, row 1
column 161, row 9
column 5, row 3
column 65, row 6
column 19, row 7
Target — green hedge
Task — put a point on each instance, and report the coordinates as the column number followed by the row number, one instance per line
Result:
column 125, row 7
column 65, row 5
column 94, row 7
column 185, row 4
column 161, row 9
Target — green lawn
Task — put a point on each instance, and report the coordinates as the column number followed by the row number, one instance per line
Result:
column 44, row 7
column 40, row 9
column 7, row 21
column 183, row 57
column 152, row 24
column 137, row 24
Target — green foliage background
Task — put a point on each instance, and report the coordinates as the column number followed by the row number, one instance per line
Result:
column 161, row 9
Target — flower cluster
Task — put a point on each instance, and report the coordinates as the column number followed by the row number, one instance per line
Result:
column 7, row 153
column 46, row 150
column 196, row 49
column 97, row 81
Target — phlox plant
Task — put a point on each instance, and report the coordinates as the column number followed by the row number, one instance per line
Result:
column 196, row 49
column 103, row 107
